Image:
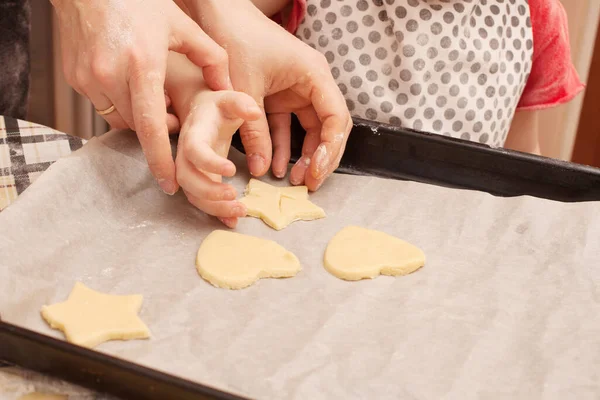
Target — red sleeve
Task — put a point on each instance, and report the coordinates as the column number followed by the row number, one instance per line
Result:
column 553, row 79
column 296, row 14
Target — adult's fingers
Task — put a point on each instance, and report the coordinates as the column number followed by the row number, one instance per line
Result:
column 313, row 183
column 121, row 98
column 109, row 82
column 115, row 121
column 122, row 118
column 150, row 115
column 333, row 113
column 329, row 152
column 189, row 39
column 257, row 144
column 279, row 124
column 330, row 147
column 311, row 124
column 102, row 103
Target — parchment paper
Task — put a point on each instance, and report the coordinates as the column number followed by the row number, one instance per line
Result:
column 507, row 306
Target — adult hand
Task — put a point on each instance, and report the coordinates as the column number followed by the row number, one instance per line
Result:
column 284, row 76
column 115, row 53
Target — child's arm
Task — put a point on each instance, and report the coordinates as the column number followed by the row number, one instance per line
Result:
column 208, row 121
column 267, row 7
column 271, row 7
column 524, row 133
column 183, row 80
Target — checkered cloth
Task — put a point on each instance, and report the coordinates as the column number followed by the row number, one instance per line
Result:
column 26, row 151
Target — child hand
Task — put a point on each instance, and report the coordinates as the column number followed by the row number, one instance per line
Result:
column 204, row 143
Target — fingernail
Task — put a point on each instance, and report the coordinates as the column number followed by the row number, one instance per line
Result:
column 279, row 174
column 238, row 211
column 228, row 169
column 256, row 163
column 296, row 179
column 230, row 222
column 253, row 110
column 320, row 161
column 228, row 194
column 167, row 186
column 319, row 185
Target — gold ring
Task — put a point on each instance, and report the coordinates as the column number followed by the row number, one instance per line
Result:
column 107, row 111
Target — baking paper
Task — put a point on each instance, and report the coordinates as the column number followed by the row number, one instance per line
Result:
column 506, row 307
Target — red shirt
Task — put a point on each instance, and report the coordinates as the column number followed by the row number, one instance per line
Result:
column 553, row 79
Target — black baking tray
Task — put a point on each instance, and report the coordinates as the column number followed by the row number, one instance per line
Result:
column 96, row 371
column 398, row 153
column 372, row 149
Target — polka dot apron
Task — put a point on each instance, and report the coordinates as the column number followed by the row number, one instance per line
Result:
column 452, row 67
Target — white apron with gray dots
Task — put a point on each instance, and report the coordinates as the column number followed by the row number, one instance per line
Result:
column 452, row 67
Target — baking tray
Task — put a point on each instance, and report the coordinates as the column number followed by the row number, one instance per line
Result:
column 97, row 371
column 393, row 152
column 373, row 149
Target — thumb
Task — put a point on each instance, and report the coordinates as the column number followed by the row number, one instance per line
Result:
column 239, row 105
column 191, row 40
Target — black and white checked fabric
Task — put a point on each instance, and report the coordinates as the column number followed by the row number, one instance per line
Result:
column 26, row 151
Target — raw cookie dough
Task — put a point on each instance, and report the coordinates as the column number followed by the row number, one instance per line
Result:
column 279, row 207
column 356, row 253
column 234, row 261
column 89, row 318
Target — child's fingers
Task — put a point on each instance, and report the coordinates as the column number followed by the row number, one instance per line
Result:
column 204, row 157
column 223, row 209
column 235, row 105
column 279, row 124
column 230, row 222
column 199, row 185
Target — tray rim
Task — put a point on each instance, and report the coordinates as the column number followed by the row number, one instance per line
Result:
column 62, row 349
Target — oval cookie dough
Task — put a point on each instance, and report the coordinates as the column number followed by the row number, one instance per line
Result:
column 356, row 253
column 234, row 261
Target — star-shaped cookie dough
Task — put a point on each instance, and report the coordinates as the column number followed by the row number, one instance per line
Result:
column 89, row 318
column 279, row 207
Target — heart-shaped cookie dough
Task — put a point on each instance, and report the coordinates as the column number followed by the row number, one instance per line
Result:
column 356, row 253
column 234, row 261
